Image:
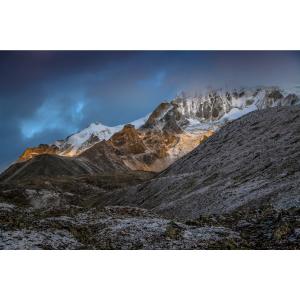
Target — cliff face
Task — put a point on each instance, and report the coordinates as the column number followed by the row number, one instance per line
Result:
column 152, row 149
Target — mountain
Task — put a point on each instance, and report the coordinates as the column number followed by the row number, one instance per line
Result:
column 213, row 108
column 76, row 143
column 238, row 189
column 249, row 163
column 172, row 130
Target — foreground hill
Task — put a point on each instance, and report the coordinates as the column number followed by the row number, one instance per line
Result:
column 47, row 165
column 250, row 162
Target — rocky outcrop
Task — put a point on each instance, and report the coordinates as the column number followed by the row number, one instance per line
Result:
column 157, row 114
column 73, row 227
column 35, row 151
column 152, row 149
column 128, row 141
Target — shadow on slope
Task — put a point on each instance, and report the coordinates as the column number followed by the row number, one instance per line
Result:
column 249, row 162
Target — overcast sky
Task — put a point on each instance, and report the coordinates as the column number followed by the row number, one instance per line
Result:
column 47, row 95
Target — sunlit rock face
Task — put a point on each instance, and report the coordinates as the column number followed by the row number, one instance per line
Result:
column 154, row 149
column 41, row 149
column 78, row 142
column 172, row 130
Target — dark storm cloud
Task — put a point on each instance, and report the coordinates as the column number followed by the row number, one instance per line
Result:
column 46, row 95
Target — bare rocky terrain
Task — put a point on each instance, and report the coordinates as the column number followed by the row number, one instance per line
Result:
column 249, row 162
column 110, row 228
column 239, row 189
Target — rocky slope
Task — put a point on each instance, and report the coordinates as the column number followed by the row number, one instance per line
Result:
column 110, row 228
column 48, row 219
column 172, row 130
column 239, row 189
column 59, row 213
column 249, row 162
column 47, row 165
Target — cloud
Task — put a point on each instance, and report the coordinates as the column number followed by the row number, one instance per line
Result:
column 57, row 114
column 154, row 81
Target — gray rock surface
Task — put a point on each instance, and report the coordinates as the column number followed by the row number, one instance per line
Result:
column 109, row 228
column 249, row 162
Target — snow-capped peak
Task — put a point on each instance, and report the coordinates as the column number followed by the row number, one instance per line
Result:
column 92, row 134
column 139, row 122
column 210, row 109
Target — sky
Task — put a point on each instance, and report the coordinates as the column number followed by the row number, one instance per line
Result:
column 48, row 95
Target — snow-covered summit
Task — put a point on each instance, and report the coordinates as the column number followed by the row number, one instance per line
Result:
column 212, row 108
column 87, row 137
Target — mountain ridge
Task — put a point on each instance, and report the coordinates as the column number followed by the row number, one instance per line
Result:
column 173, row 129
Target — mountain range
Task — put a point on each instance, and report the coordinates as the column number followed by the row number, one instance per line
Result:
column 154, row 142
column 216, row 170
